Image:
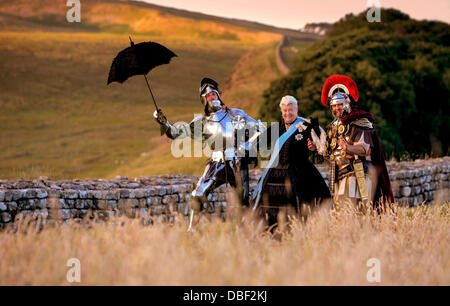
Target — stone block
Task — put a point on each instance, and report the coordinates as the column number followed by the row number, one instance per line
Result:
column 8, row 196
column 82, row 194
column 79, row 204
column 88, row 203
column 70, row 203
column 157, row 210
column 23, row 204
column 42, row 213
column 157, row 200
column 12, row 206
column 142, row 203
column 43, row 203
column 33, row 203
column 175, row 189
column 64, row 214
column 94, row 194
column 173, row 198
column 417, row 190
column 103, row 214
column 127, row 203
column 112, row 204
column 18, row 194
column 5, row 217
column 139, row 193
column 102, row 204
column 405, row 191
column 404, row 183
column 69, row 194
column 124, row 193
column 160, row 190
column 110, row 194
column 409, row 174
column 41, row 193
column 420, row 199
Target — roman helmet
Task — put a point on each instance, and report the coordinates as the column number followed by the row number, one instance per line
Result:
column 340, row 89
column 207, row 86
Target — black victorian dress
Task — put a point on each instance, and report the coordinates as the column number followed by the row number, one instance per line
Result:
column 294, row 181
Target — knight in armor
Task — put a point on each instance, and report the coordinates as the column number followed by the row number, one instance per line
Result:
column 358, row 172
column 290, row 180
column 229, row 133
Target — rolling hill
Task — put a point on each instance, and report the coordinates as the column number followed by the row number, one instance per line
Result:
column 59, row 119
column 133, row 17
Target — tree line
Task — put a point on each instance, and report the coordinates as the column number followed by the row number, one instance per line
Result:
column 402, row 70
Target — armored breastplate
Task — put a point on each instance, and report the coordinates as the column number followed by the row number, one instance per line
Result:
column 221, row 130
column 336, row 153
column 218, row 130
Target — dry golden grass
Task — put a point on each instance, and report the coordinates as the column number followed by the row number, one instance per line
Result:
column 328, row 249
column 128, row 18
column 59, row 118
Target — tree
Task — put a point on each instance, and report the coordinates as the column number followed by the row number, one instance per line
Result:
column 402, row 71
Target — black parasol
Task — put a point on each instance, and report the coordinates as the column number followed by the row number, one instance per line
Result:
column 139, row 59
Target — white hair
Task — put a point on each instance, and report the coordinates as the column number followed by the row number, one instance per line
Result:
column 286, row 100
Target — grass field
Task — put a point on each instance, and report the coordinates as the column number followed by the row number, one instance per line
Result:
column 330, row 248
column 59, row 118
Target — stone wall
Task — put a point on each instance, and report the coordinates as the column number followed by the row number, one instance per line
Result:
column 164, row 197
column 284, row 69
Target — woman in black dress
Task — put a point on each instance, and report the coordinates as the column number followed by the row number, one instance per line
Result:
column 293, row 181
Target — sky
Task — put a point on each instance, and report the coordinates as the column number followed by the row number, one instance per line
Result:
column 294, row 14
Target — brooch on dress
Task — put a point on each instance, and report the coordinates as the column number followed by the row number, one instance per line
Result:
column 301, row 127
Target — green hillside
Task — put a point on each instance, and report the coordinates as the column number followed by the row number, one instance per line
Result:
column 402, row 70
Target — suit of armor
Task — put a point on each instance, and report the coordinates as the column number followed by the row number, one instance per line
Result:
column 230, row 134
column 224, row 131
column 356, row 134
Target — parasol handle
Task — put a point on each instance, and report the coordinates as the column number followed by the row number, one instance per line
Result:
column 148, row 85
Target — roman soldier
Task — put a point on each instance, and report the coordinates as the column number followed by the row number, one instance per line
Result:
column 358, row 172
column 229, row 133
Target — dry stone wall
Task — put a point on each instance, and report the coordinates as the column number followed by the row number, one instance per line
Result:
column 279, row 58
column 156, row 198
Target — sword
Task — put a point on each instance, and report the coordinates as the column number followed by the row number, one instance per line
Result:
column 332, row 177
column 360, row 178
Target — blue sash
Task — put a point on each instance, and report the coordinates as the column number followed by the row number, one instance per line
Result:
column 276, row 150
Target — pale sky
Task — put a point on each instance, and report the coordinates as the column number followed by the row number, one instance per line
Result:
column 295, row 14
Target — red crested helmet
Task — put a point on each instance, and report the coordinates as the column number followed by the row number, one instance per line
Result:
column 337, row 88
